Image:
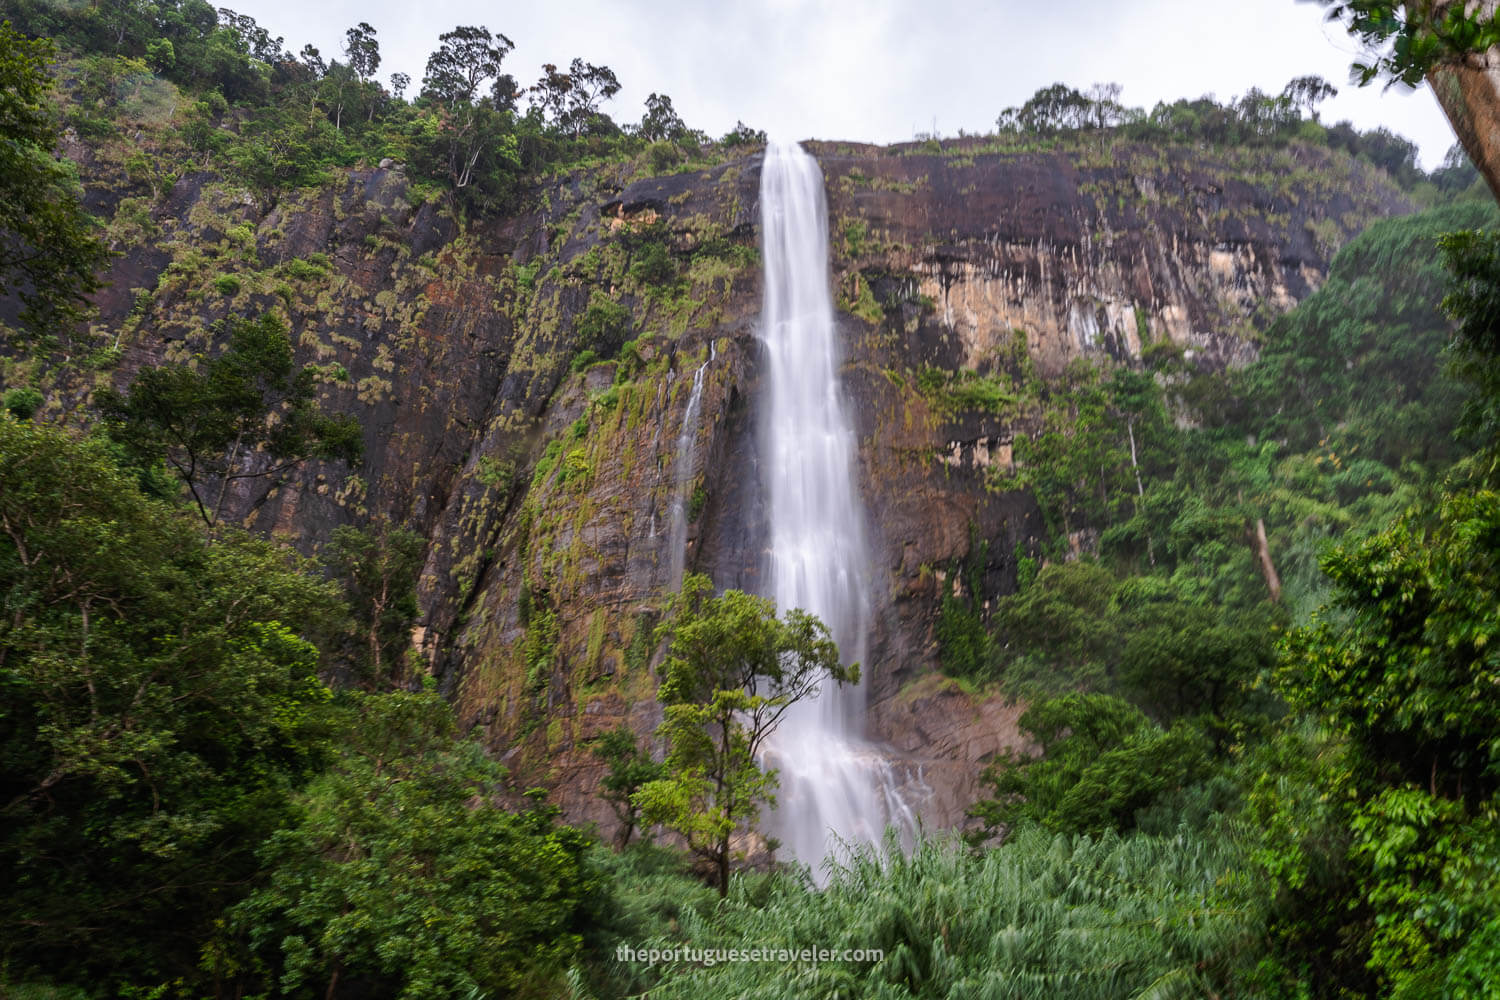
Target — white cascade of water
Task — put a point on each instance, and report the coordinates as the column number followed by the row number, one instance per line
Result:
column 834, row 785
column 683, row 468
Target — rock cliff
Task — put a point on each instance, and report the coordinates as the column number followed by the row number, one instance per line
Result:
column 524, row 385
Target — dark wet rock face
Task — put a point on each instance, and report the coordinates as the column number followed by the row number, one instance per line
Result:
column 544, row 477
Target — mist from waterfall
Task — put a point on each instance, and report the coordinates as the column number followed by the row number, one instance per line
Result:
column 834, row 785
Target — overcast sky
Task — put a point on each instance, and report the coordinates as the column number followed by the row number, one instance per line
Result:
column 882, row 70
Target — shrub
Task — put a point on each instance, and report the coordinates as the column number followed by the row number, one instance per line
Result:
column 605, row 324
column 22, row 402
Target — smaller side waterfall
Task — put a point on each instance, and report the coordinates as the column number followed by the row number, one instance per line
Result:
column 684, row 468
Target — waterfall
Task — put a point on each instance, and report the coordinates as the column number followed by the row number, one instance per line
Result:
column 834, row 785
column 683, row 467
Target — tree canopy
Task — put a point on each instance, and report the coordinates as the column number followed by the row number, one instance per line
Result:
column 161, row 695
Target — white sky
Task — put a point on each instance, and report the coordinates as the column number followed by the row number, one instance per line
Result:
column 882, row 70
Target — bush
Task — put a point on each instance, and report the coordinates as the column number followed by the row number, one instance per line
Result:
column 604, row 325
column 653, row 266
column 663, row 156
column 22, row 402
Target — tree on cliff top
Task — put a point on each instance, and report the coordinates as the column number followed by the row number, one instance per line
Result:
column 733, row 669
column 571, row 101
column 466, row 57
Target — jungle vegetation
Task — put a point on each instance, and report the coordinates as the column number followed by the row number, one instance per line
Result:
column 1265, row 683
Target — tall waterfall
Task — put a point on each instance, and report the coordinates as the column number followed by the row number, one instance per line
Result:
column 834, row 786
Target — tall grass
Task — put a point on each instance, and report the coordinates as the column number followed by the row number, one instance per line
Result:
column 1042, row 917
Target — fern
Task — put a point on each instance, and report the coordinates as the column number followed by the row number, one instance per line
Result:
column 1137, row 918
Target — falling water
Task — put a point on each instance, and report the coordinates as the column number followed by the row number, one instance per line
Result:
column 683, row 468
column 834, row 785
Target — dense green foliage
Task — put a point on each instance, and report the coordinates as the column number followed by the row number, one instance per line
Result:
column 379, row 566
column 1101, row 762
column 1408, row 39
column 630, row 768
column 1359, row 748
column 49, row 247
column 1474, row 297
column 1397, row 817
column 161, row 698
column 185, row 803
column 391, row 879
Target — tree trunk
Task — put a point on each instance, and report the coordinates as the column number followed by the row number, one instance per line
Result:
column 1263, row 555
column 229, row 467
column 1469, row 94
column 1140, row 488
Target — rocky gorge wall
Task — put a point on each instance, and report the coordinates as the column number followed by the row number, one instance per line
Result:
column 524, row 382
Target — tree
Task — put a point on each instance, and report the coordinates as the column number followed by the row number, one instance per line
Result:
column 285, row 147
column 630, row 769
column 401, row 877
column 160, row 697
column 49, row 246
column 570, row 101
column 1101, row 762
column 1053, row 109
column 363, row 51
column 312, row 61
column 399, row 83
column 474, row 147
column 466, row 57
column 743, row 135
column 1406, row 40
column 732, row 671
column 1451, row 44
column 249, row 413
column 661, row 121
column 336, row 88
column 505, row 93
column 1473, row 259
column 378, row 565
column 255, row 41
column 1077, row 458
column 1306, row 93
column 1401, row 676
column 1105, row 109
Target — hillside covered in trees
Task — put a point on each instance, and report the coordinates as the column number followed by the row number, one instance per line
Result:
column 337, row 413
